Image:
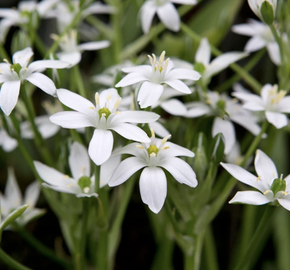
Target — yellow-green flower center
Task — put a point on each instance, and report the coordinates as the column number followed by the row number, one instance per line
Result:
column 152, row 150
column 104, row 112
column 16, row 67
column 84, row 183
column 278, row 185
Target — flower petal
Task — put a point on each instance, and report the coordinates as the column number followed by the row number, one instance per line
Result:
column 149, row 94
column 126, row 168
column 12, row 192
column 101, row 146
column 43, row 82
column 94, row 45
column 180, row 170
column 159, row 129
column 182, row 74
column 79, row 161
column 196, row 109
column 22, row 57
column 147, row 12
column 43, row 64
column 274, row 53
column 277, row 119
column 9, row 95
column 131, row 78
column 153, row 188
column 108, row 168
column 174, row 107
column 134, row 117
column 254, row 44
column 203, row 52
column 178, row 85
column 284, row 105
column 31, row 194
column 250, row 197
column 70, row 58
column 169, row 16
column 285, row 203
column 71, row 120
column 265, row 168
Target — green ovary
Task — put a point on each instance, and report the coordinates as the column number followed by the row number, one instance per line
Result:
column 85, row 183
column 104, row 112
column 152, row 149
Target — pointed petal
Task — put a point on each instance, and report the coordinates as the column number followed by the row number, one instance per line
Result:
column 274, row 53
column 22, row 57
column 203, row 52
column 249, row 98
column 250, row 197
column 43, row 82
column 126, row 168
column 31, row 194
column 247, row 122
column 174, row 107
column 168, row 14
column 153, row 188
column 9, row 96
column 108, row 168
column 159, row 129
column 43, row 64
column 180, row 170
column 79, row 161
column 196, row 109
column 265, row 168
column 255, row 43
column 131, row 78
column 70, row 58
column 131, row 132
column 149, row 94
column 175, row 150
column 94, row 45
column 147, row 12
column 277, row 119
column 245, row 29
column 12, row 192
column 182, row 74
column 178, row 85
column 101, row 146
column 133, row 117
column 285, row 203
column 71, row 120
column 284, row 105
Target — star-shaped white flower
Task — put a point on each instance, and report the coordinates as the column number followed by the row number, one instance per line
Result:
column 71, row 52
column 103, row 117
column 11, row 75
column 272, row 102
column 155, row 76
column 158, row 153
column 209, row 69
column 166, row 12
column 12, row 199
column 270, row 186
column 261, row 36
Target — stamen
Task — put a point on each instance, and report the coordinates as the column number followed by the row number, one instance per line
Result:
column 266, row 192
column 259, row 177
column 91, row 108
column 284, row 192
column 281, row 176
column 165, row 147
column 152, row 133
column 139, row 146
column 117, row 103
column 97, row 98
column 151, row 60
column 152, row 154
column 161, row 58
column 69, row 185
column 65, row 176
column 117, row 112
column 164, row 140
column 109, row 97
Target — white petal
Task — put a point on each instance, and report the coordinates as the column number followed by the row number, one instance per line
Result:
column 254, row 44
column 196, row 109
column 255, row 107
column 180, row 170
column 227, row 129
column 169, row 16
column 79, row 161
column 203, row 52
column 94, row 45
column 159, row 129
column 71, row 120
column 31, row 194
column 175, row 150
column 71, row 188
column 130, row 79
column 145, row 70
column 43, row 64
column 277, row 119
column 98, row 8
column 108, row 168
column 43, row 82
column 245, row 29
column 284, row 105
column 174, row 107
column 149, row 94
column 131, row 132
column 132, row 149
column 285, row 203
column 46, row 128
column 248, row 122
column 101, row 146
column 254, row 6
column 223, row 61
column 9, row 95
column 70, row 58
column 22, row 57
column 248, row 97
column 245, row 177
column 265, row 168
column 250, row 197
column 182, row 74
column 126, row 168
column 133, row 117
column 12, row 192
column 265, row 92
column 274, row 53
column 185, row 2
column 178, row 85
column 76, row 102
column 147, row 12
column 8, row 144
column 153, row 188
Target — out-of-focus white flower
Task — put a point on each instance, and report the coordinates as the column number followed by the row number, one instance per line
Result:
column 158, row 153
column 11, row 75
column 7, row 143
column 271, row 187
column 23, row 15
column 103, row 117
column 12, row 199
column 255, row 5
column 208, row 69
column 71, row 52
column 261, row 36
column 272, row 102
column 155, row 76
column 166, row 12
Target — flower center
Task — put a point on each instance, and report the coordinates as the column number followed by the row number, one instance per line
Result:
column 275, row 97
column 199, row 67
column 278, row 185
column 104, row 112
column 152, row 150
column 158, row 67
column 84, row 183
column 16, row 67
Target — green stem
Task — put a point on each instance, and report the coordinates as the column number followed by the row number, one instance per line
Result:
column 172, row 218
column 241, row 71
column 79, row 81
column 4, row 257
column 97, row 178
column 39, row 247
column 210, row 250
column 260, row 233
column 40, row 46
column 279, row 41
column 4, row 54
column 40, row 143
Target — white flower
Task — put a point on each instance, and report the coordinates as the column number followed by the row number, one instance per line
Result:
column 11, row 75
column 153, row 77
column 209, row 69
column 12, row 199
column 166, row 12
column 103, row 117
column 71, row 52
column 6, row 142
column 261, row 36
column 82, row 184
column 272, row 101
column 269, row 184
column 255, row 5
column 158, row 153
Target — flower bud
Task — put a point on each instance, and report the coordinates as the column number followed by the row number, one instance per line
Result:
column 200, row 161
column 267, row 12
column 216, row 149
